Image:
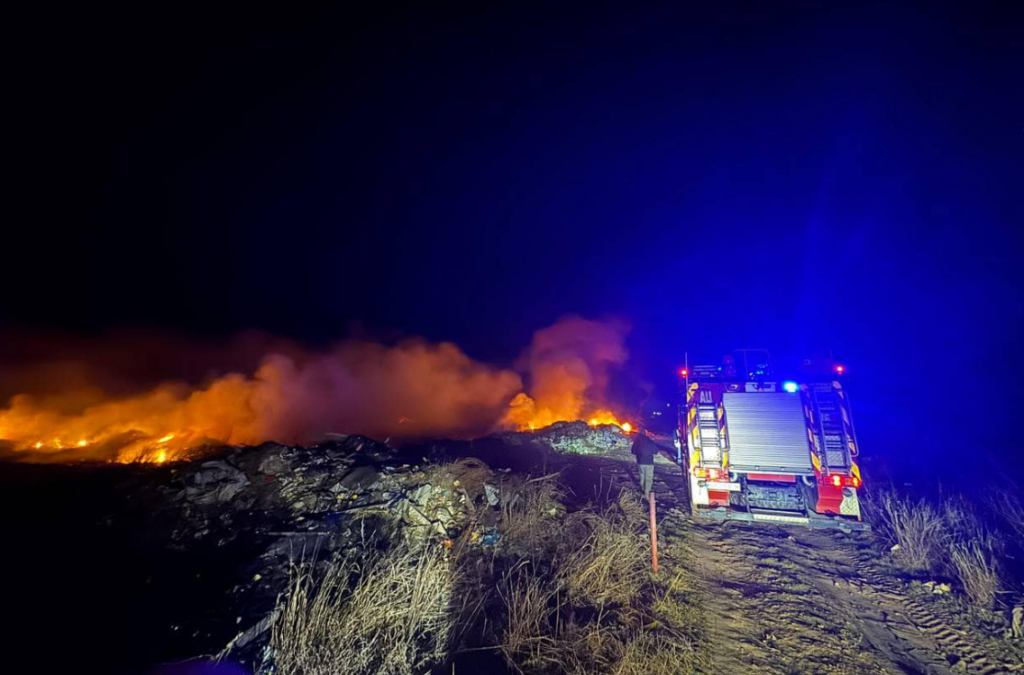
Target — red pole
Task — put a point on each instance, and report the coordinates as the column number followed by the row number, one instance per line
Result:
column 654, row 533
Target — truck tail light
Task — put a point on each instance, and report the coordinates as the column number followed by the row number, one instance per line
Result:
column 711, row 474
column 839, row 480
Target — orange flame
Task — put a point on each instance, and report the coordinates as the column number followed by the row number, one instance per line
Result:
column 411, row 390
column 526, row 415
column 433, row 389
column 156, row 426
column 569, row 365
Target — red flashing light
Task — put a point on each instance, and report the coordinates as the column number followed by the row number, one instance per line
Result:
column 713, row 474
column 683, row 372
column 837, row 480
column 840, row 369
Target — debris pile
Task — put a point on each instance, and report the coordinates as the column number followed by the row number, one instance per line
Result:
column 294, row 504
column 578, row 438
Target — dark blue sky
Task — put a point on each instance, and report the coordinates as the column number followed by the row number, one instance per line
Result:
column 785, row 175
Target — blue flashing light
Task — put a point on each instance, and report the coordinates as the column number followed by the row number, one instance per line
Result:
column 790, row 387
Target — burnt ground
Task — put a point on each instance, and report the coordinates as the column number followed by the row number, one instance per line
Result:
column 94, row 582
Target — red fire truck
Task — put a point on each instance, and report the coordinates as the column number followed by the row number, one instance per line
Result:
column 759, row 448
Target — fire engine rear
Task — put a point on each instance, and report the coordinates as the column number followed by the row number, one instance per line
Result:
column 759, row 448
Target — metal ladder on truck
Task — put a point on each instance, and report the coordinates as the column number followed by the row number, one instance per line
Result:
column 831, row 430
column 707, row 426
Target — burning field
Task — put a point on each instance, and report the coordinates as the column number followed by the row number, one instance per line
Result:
column 520, row 552
column 407, row 509
column 414, row 389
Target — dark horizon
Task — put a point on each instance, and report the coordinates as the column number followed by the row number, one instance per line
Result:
column 791, row 177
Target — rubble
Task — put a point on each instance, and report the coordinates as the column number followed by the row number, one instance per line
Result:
column 577, row 438
column 215, row 482
column 243, row 517
column 320, row 502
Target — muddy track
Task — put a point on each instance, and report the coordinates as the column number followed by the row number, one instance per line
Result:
column 788, row 600
column 963, row 645
column 791, row 600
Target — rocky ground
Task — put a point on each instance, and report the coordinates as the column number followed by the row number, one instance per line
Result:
column 134, row 567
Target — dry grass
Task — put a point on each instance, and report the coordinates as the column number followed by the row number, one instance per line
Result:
column 917, row 528
column 634, row 509
column 610, row 564
column 975, row 568
column 529, row 509
column 592, row 647
column 1009, row 507
column 953, row 539
column 962, row 521
column 535, row 640
column 528, row 604
column 597, row 647
column 657, row 654
column 672, row 607
column 595, row 608
column 974, row 552
column 390, row 616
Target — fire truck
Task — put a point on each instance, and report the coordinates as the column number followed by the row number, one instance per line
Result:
column 761, row 448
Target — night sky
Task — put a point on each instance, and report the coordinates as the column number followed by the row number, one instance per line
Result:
column 782, row 175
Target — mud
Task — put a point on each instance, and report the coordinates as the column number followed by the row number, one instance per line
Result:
column 791, row 600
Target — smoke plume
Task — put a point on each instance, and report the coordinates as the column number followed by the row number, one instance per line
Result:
column 568, row 366
column 414, row 389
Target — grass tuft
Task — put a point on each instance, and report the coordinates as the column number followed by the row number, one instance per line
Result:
column 392, row 615
column 610, row 564
column 916, row 527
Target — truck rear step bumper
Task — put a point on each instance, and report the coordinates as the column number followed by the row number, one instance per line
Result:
column 784, row 518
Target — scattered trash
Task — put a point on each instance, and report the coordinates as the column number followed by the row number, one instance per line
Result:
column 577, row 438
column 215, row 481
column 938, row 588
column 491, row 494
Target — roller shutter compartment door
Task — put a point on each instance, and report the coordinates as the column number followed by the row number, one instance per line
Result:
column 767, row 433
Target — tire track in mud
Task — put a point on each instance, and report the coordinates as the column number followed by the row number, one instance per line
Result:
column 766, row 611
column 793, row 600
column 962, row 644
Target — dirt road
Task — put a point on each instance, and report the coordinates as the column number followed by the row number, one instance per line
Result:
column 790, row 600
